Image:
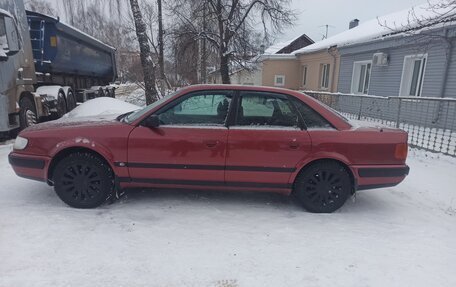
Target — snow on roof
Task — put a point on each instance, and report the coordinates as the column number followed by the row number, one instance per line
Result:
column 378, row 27
column 279, row 46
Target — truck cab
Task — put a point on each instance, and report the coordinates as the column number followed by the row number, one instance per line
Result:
column 17, row 74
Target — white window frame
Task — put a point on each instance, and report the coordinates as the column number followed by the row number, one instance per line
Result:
column 407, row 74
column 323, row 74
column 356, row 77
column 279, row 84
column 305, row 70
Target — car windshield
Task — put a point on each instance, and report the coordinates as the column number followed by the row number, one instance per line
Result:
column 139, row 113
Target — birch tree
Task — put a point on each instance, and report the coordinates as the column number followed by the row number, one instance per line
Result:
column 145, row 54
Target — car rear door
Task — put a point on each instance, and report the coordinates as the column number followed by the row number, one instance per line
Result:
column 189, row 146
column 266, row 141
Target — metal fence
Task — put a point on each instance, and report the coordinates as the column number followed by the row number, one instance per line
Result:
column 430, row 122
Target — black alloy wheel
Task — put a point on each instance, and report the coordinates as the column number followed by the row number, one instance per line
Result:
column 323, row 187
column 83, row 180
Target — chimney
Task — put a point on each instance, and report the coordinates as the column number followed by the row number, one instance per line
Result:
column 353, row 23
column 262, row 47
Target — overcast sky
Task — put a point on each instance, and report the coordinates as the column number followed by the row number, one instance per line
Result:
column 314, row 14
column 338, row 13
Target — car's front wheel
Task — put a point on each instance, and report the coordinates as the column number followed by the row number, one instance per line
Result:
column 323, row 187
column 83, row 180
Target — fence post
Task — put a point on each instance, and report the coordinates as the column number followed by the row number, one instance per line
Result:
column 398, row 117
column 360, row 108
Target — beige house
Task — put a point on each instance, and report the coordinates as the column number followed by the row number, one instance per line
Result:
column 281, row 71
column 303, row 70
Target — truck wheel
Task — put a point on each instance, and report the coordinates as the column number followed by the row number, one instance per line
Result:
column 61, row 104
column 83, row 180
column 100, row 92
column 27, row 114
column 71, row 101
column 323, row 187
column 107, row 93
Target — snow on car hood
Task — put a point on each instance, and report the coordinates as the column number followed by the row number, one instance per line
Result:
column 101, row 106
column 96, row 112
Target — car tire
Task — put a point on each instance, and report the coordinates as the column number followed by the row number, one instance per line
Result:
column 323, row 187
column 83, row 180
column 27, row 114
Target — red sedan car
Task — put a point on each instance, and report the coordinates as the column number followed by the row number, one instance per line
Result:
column 215, row 137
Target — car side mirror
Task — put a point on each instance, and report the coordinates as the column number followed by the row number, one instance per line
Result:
column 151, row 122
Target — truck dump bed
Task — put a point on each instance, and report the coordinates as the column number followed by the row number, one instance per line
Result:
column 61, row 49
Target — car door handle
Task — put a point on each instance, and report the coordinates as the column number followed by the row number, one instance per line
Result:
column 211, row 143
column 293, row 144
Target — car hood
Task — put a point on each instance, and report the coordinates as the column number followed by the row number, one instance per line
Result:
column 101, row 120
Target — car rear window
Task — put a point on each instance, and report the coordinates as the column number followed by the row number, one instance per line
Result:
column 312, row 119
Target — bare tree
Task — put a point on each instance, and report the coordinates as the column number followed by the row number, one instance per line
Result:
column 40, row 6
column 425, row 16
column 228, row 21
column 145, row 54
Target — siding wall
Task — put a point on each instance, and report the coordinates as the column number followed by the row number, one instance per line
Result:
column 386, row 80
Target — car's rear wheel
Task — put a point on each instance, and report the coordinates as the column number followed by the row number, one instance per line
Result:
column 83, row 180
column 323, row 187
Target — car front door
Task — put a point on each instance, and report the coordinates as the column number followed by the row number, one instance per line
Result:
column 188, row 147
column 266, row 142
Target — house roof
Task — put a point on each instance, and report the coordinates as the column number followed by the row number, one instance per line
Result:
column 276, row 48
column 380, row 27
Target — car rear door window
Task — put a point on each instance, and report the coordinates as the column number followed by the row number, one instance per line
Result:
column 198, row 109
column 266, row 109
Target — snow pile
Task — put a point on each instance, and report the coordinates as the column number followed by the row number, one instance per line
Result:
column 101, row 106
column 136, row 97
column 131, row 93
column 379, row 27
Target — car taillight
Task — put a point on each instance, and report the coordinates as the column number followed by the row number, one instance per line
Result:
column 401, row 151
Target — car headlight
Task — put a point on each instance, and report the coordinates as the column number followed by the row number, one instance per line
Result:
column 20, row 143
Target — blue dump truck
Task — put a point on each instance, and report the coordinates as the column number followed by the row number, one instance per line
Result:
column 46, row 67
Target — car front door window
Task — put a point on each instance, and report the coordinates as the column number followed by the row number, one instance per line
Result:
column 208, row 109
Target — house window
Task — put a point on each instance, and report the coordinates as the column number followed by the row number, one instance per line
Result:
column 324, row 76
column 304, row 76
column 413, row 75
column 361, row 77
column 279, row 80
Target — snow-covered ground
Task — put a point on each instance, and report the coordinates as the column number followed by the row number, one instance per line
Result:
column 401, row 236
